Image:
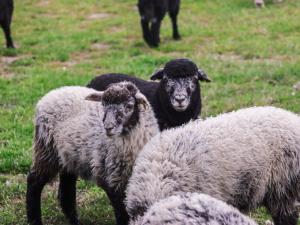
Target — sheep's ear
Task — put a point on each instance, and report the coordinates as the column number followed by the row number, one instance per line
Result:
column 158, row 75
column 142, row 101
column 202, row 76
column 95, row 97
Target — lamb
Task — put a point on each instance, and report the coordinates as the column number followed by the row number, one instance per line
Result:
column 96, row 141
column 176, row 99
column 246, row 158
column 6, row 12
column 152, row 13
column 193, row 209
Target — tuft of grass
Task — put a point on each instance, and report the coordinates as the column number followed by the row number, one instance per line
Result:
column 251, row 55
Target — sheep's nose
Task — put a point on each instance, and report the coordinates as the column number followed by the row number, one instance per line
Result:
column 108, row 128
column 179, row 98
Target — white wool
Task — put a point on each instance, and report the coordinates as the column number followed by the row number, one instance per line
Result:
column 245, row 158
column 192, row 209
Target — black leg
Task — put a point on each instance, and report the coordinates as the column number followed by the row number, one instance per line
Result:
column 146, row 31
column 67, row 196
column 286, row 219
column 155, row 30
column 156, row 23
column 283, row 211
column 35, row 185
column 117, row 201
column 6, row 29
column 173, row 16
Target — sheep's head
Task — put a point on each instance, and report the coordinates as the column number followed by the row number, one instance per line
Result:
column 179, row 79
column 122, row 102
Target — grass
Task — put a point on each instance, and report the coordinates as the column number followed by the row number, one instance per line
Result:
column 251, row 55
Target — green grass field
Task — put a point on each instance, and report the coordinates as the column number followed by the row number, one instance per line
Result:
column 252, row 56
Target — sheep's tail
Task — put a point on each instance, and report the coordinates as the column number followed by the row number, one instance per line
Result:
column 45, row 152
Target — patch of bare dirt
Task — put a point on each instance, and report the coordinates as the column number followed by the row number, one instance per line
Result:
column 96, row 16
column 4, row 66
column 115, row 29
column 49, row 15
column 5, row 62
column 240, row 58
column 9, row 60
column 43, row 3
column 100, row 46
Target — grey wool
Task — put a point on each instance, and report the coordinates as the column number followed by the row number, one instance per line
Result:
column 192, row 209
column 246, row 158
column 94, row 135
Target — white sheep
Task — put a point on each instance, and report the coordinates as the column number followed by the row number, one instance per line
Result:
column 192, row 209
column 98, row 141
column 246, row 158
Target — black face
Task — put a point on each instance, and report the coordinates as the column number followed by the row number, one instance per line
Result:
column 180, row 91
column 180, row 79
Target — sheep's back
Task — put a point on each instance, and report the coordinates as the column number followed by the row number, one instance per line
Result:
column 234, row 157
column 58, row 115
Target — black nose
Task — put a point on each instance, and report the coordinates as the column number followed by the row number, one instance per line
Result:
column 179, row 99
column 109, row 128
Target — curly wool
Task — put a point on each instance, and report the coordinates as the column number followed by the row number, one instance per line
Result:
column 71, row 139
column 180, row 68
column 245, row 158
column 74, row 129
column 192, row 209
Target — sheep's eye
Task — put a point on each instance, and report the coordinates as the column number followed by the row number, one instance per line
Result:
column 189, row 90
column 172, row 89
column 119, row 120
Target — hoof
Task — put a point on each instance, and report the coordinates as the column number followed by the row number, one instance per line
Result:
column 176, row 37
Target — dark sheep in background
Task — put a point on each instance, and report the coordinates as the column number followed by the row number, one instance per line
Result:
column 176, row 99
column 152, row 13
column 6, row 12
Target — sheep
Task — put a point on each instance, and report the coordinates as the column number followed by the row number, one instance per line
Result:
column 193, row 209
column 261, row 3
column 6, row 11
column 99, row 142
column 152, row 13
column 246, row 158
column 176, row 99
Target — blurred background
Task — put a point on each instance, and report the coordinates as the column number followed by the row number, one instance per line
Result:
column 251, row 54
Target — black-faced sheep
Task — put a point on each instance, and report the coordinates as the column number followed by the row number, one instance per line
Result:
column 246, row 158
column 6, row 11
column 192, row 209
column 98, row 141
column 152, row 13
column 176, row 99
